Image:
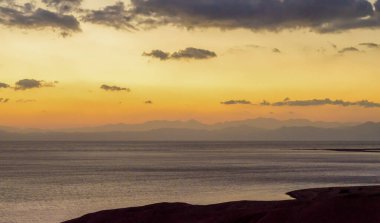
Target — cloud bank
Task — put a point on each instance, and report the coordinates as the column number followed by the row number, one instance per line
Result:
column 321, row 102
column 270, row 15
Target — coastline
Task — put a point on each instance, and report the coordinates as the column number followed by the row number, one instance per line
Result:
column 359, row 204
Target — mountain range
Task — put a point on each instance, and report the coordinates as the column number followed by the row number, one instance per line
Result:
column 260, row 129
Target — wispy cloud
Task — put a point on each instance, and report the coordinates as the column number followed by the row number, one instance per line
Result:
column 114, row 88
column 193, row 53
column 370, row 45
column 4, row 100
column 26, row 100
column 158, row 54
column 4, row 85
column 188, row 53
column 236, row 102
column 63, row 6
column 348, row 49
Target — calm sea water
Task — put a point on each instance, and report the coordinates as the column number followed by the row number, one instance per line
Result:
column 47, row 182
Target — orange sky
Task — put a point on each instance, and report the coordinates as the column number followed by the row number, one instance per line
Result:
column 245, row 68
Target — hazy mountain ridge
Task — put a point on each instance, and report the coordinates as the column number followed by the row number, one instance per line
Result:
column 367, row 132
column 262, row 123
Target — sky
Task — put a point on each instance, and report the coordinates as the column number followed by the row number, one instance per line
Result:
column 71, row 63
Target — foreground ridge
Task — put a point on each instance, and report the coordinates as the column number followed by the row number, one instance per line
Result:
column 320, row 205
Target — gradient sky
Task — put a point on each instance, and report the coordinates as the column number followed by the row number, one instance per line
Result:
column 245, row 52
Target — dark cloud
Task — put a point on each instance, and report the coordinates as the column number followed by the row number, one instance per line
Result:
column 236, row 102
column 26, row 84
column 273, row 15
column 275, row 50
column 148, row 102
column 63, row 6
column 377, row 5
column 4, row 85
column 114, row 88
column 188, row 53
column 193, row 53
column 27, row 16
column 120, row 16
column 320, row 102
column 159, row 54
column 370, row 45
column 348, row 49
column 114, row 15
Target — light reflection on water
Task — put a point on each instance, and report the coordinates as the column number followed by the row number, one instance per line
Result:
column 54, row 181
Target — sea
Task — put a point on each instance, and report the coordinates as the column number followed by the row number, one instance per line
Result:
column 48, row 182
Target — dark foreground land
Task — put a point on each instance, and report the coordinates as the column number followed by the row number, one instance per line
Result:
column 325, row 205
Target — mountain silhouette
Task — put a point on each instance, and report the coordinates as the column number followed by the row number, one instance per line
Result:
column 247, row 130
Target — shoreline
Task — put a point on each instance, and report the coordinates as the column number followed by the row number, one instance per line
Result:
column 356, row 204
